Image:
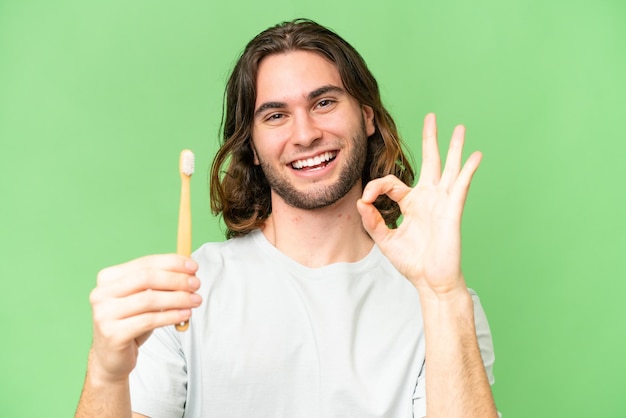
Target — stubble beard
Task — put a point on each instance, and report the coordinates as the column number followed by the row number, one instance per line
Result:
column 322, row 196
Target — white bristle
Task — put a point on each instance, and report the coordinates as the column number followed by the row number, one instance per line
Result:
column 186, row 162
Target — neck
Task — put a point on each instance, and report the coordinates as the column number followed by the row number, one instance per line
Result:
column 319, row 237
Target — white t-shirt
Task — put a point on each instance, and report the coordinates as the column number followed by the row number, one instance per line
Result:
column 274, row 338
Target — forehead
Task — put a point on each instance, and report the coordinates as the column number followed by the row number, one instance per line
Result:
column 293, row 75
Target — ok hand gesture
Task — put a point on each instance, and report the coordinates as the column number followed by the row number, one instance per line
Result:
column 426, row 247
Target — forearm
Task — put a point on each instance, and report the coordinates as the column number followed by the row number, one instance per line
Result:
column 456, row 383
column 100, row 398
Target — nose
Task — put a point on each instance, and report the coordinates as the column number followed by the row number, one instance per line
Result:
column 305, row 130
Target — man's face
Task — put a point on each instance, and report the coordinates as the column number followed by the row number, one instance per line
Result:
column 309, row 134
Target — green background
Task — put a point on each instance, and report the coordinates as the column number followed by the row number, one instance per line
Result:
column 98, row 98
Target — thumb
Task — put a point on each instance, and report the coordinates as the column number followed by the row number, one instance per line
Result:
column 373, row 221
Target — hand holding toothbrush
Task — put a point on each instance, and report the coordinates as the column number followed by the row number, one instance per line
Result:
column 134, row 298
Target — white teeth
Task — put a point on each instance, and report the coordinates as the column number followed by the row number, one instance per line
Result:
column 317, row 160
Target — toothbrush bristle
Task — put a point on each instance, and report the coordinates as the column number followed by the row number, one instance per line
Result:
column 186, row 162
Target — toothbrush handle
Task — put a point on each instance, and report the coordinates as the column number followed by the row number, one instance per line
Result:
column 183, row 246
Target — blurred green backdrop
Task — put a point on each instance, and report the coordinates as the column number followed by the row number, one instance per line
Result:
column 98, row 98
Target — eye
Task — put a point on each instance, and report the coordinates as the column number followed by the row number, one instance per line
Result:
column 274, row 117
column 325, row 103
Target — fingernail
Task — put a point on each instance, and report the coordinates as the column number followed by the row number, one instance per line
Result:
column 191, row 265
column 195, row 299
column 194, row 283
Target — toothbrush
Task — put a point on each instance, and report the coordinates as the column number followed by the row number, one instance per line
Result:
column 183, row 247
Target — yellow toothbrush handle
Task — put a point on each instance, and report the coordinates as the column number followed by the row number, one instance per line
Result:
column 183, row 246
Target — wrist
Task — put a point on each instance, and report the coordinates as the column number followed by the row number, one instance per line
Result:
column 449, row 319
column 455, row 303
column 454, row 291
column 98, row 376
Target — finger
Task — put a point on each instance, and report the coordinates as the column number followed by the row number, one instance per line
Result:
column 150, row 321
column 461, row 187
column 152, row 279
column 454, row 158
column 153, row 309
column 141, row 280
column 388, row 185
column 373, row 221
column 152, row 301
column 120, row 332
column 168, row 262
column 166, row 272
column 431, row 161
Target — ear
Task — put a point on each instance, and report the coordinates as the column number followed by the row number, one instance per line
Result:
column 368, row 118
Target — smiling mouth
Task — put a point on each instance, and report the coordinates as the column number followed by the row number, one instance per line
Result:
column 318, row 161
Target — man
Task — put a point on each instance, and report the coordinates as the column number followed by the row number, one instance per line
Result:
column 319, row 305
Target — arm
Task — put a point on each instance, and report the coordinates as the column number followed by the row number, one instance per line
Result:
column 130, row 301
column 426, row 249
column 456, row 382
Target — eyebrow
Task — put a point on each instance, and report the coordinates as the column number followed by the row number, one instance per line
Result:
column 323, row 90
column 311, row 96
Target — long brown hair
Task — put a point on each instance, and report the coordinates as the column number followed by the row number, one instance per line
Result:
column 239, row 190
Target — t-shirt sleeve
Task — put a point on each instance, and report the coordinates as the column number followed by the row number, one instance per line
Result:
column 485, row 342
column 158, row 384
